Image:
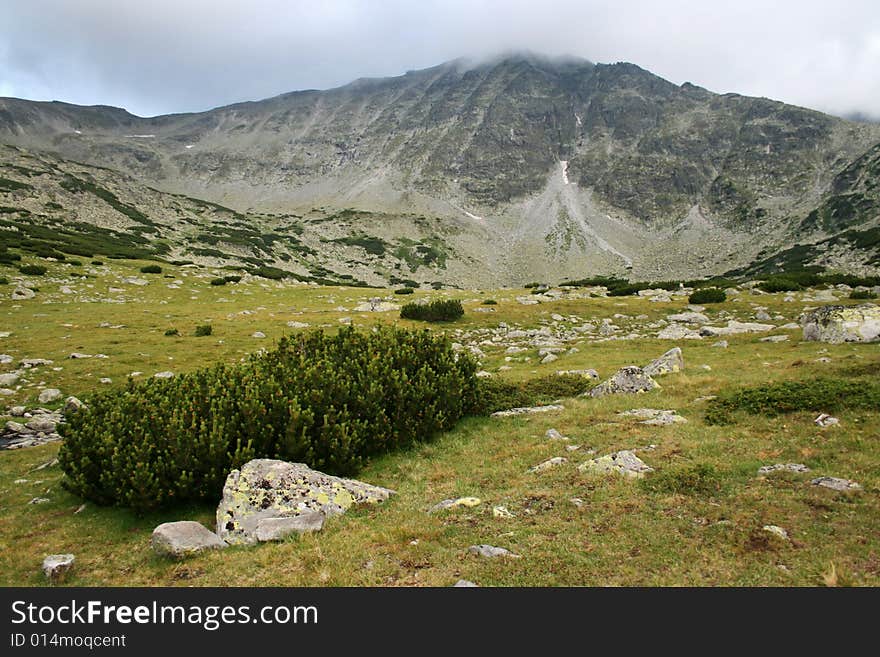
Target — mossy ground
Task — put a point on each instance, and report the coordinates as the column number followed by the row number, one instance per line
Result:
column 624, row 533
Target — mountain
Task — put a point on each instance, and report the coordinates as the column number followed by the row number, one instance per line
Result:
column 518, row 168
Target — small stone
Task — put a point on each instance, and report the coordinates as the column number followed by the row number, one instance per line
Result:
column 670, row 362
column 277, row 529
column 258, row 334
column 775, row 338
column 578, row 502
column 49, row 395
column 836, row 483
column 56, row 566
column 553, row 434
column 183, row 538
column 529, row 410
column 455, row 503
column 548, row 464
column 779, row 467
column 76, row 355
column 465, row 583
column 722, row 344
column 501, row 512
column 776, row 531
column 624, row 462
column 825, row 420
column 9, row 379
column 71, row 405
column 163, row 375
column 587, row 374
column 490, row 551
column 39, row 500
column 549, row 358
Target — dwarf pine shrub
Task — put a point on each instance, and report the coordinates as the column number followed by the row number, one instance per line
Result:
column 437, row 311
column 331, row 401
column 151, row 269
column 708, row 295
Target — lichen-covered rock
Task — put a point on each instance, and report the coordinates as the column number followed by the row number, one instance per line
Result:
column 783, row 467
column 670, row 362
column 587, row 374
column 49, row 395
column 22, row 293
column 553, row 434
column 624, row 462
column 490, row 551
column 655, row 416
column 837, row 324
column 528, row 410
column 455, row 503
column 678, row 332
column 183, row 538
column 627, row 380
column 734, row 327
column 277, row 529
column 548, row 464
column 268, row 488
column 56, row 566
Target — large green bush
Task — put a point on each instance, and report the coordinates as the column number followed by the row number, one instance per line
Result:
column 329, row 401
column 708, row 295
column 436, row 311
column 32, row 270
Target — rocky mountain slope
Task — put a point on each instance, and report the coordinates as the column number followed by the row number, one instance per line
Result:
column 516, row 169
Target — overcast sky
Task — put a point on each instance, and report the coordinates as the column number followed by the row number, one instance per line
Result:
column 167, row 56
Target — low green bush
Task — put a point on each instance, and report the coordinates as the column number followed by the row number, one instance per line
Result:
column 708, row 295
column 331, row 401
column 98, row 263
column 203, row 330
column 404, row 290
column 232, row 278
column 4, row 280
column 151, row 269
column 490, row 302
column 818, row 395
column 697, row 479
column 443, row 310
column 780, row 284
column 862, row 294
column 218, row 281
column 33, row 270
column 172, row 331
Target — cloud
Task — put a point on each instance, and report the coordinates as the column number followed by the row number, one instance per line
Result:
column 173, row 55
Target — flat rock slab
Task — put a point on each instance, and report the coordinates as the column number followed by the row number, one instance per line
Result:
column 556, row 461
column 624, row 462
column 529, row 410
column 627, row 380
column 654, row 416
column 825, row 420
column 491, row 552
column 277, row 529
column 587, row 374
column 268, row 488
column 734, row 327
column 456, row 503
column 553, row 434
column 670, row 362
column 783, row 467
column 183, row 538
column 836, row 483
column 837, row 324
column 56, row 566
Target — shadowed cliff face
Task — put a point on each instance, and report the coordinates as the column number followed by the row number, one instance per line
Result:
column 573, row 167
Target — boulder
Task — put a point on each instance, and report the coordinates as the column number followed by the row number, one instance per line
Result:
column 836, row 483
column 671, row 361
column 9, row 379
column 268, row 488
column 277, row 529
column 72, row 404
column 689, row 318
column 49, row 395
column 624, row 462
column 679, row 332
column 734, row 327
column 627, row 380
column 837, row 324
column 22, row 293
column 183, row 538
column 56, row 566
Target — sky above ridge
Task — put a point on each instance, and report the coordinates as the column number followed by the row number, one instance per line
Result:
column 188, row 55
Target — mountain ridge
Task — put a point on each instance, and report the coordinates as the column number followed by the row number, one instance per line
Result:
column 571, row 167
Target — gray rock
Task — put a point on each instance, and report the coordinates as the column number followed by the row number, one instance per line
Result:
column 670, row 362
column 722, row 344
column 587, row 374
column 775, row 338
column 258, row 334
column 825, row 420
column 183, row 538
column 529, row 410
column 549, row 358
column 17, row 411
column 836, row 483
column 49, row 395
column 624, row 462
column 267, row 488
column 627, row 380
column 548, row 464
column 679, row 332
column 41, row 424
column 777, row 531
column 28, row 363
column 734, row 327
column 163, row 375
column 837, row 324
column 6, row 359
column 689, row 318
column 455, row 503
column 277, row 529
column 763, row 316
column 553, row 434
column 654, row 416
column 8, row 380
column 465, row 583
column 57, row 566
column 22, row 293
column 78, row 356
column 783, row 467
column 72, row 405
column 490, row 551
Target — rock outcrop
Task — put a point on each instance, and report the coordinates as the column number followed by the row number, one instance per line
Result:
column 837, row 324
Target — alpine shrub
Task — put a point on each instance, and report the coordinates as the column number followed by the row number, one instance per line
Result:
column 32, row 270
column 331, row 401
column 708, row 295
column 437, row 311
column 862, row 294
column 218, row 281
column 404, row 290
column 151, row 269
column 203, row 330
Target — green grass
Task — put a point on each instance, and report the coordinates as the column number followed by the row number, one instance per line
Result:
column 695, row 521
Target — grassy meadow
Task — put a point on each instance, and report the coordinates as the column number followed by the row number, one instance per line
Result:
column 698, row 524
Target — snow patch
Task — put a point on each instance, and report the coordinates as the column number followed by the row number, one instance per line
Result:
column 564, row 164
column 578, row 119
column 188, row 146
column 141, row 136
column 473, row 216
column 77, row 132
